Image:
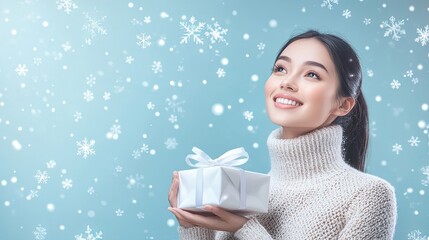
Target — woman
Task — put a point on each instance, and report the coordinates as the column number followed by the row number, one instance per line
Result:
column 318, row 189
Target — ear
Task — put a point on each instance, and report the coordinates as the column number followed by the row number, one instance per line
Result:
column 346, row 105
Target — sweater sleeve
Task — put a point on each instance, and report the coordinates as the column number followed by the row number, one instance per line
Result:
column 372, row 213
column 196, row 233
column 252, row 229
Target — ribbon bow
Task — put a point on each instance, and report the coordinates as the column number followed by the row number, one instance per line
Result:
column 234, row 157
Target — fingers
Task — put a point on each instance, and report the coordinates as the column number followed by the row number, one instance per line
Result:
column 172, row 194
column 225, row 215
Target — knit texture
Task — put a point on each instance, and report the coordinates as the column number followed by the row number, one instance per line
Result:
column 314, row 194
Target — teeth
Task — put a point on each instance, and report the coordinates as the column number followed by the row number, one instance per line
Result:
column 287, row 102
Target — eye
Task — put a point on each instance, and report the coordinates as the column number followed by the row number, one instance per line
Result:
column 278, row 68
column 313, row 75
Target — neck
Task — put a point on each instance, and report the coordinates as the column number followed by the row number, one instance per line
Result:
column 312, row 155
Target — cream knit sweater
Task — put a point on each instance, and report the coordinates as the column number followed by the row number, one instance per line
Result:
column 314, row 194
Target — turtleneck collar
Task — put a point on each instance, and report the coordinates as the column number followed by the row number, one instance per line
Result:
column 312, row 155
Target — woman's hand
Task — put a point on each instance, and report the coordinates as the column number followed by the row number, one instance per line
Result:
column 222, row 220
column 172, row 198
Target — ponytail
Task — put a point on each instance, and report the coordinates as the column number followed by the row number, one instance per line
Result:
column 355, row 134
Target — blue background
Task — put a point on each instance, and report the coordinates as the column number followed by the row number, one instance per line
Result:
column 145, row 120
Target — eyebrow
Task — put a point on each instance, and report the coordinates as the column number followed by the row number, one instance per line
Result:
column 308, row 63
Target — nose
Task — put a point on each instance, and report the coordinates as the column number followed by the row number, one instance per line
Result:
column 289, row 84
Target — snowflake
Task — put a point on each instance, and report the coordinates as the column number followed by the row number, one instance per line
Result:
column 414, row 141
column 174, row 105
column 33, row 194
column 415, row 80
column 144, row 148
column 51, row 164
column 66, row 5
column 171, row 143
column 37, row 61
column 91, row 190
column 21, row 70
column 39, row 233
column 147, row 20
column 88, row 96
column 329, row 3
column 423, row 37
column 172, row 118
column 395, row 84
column 143, row 41
column 261, row 46
column 416, row 235
column 42, row 177
column 90, row 80
column 67, row 183
column 396, row 148
column 136, row 154
column 409, row 74
column 115, row 131
column 89, row 235
column 425, row 171
column 85, row 148
column 106, row 96
column 77, row 116
column 215, row 33
column 118, row 168
column 66, row 46
column 367, row 21
column 220, row 72
column 248, row 115
column 135, row 181
column 373, row 129
column 140, row 215
column 136, row 22
column 129, row 59
column 119, row 212
column 180, row 68
column 192, row 31
column 393, row 28
column 157, row 67
column 347, row 13
column 93, row 25
column 150, row 106
column 370, row 73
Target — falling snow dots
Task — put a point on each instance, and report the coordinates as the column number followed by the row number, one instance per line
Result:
column 91, row 213
column 255, row 145
column 50, row 207
column 16, row 145
column 234, row 13
column 224, row 61
column 161, row 42
column 246, row 36
column 254, row 78
column 241, row 100
column 13, row 32
column 171, row 222
column 420, row 67
column 425, row 106
column 3, row 182
column 13, row 179
column 130, row 5
column 45, row 24
column 217, row 109
column 411, row 8
column 272, row 23
column 378, row 98
column 421, row 124
column 62, row 227
column 6, row 203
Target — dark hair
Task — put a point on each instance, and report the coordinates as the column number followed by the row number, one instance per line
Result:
column 355, row 123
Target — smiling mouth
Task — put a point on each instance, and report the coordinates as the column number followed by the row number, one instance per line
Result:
column 286, row 101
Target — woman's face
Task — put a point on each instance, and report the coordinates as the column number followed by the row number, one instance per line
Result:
column 301, row 93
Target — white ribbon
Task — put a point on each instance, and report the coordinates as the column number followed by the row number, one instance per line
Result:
column 234, row 157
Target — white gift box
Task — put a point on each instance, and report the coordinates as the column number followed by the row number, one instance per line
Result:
column 218, row 182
